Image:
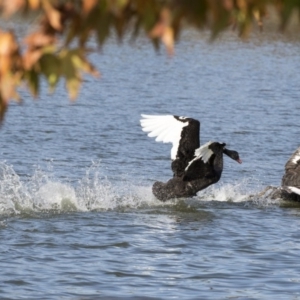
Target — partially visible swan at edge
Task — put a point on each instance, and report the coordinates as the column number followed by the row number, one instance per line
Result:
column 290, row 183
column 194, row 167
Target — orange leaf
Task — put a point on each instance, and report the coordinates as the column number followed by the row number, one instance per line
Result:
column 228, row 4
column 34, row 4
column 30, row 58
column 8, row 48
column 39, row 39
column 8, row 88
column 12, row 6
column 157, row 31
column 88, row 5
column 53, row 15
column 168, row 39
column 8, row 43
column 242, row 5
column 164, row 31
column 5, row 64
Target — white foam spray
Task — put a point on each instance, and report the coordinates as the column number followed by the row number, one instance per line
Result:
column 246, row 190
column 42, row 192
column 95, row 192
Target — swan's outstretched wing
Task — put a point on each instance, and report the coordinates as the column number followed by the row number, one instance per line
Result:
column 291, row 178
column 182, row 132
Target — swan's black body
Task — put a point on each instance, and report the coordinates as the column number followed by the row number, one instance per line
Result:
column 188, row 143
column 292, row 171
column 194, row 167
column 198, row 176
column 290, row 183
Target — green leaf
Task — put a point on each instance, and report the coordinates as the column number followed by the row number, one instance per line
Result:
column 33, row 81
column 69, row 67
column 50, row 67
column 3, row 108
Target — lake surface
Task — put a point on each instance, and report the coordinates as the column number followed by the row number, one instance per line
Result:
column 78, row 219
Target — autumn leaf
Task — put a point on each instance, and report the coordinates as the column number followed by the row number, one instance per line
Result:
column 34, row 4
column 10, row 7
column 56, row 48
column 88, row 5
column 3, row 108
column 8, row 85
column 81, row 64
column 39, row 39
column 33, row 81
column 36, row 43
column 50, row 65
column 8, row 52
column 164, row 31
column 53, row 15
column 73, row 84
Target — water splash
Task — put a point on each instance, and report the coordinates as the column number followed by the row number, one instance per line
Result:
column 43, row 193
column 95, row 192
column 235, row 192
column 11, row 190
column 247, row 190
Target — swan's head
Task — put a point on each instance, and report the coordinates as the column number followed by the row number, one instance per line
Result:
column 233, row 155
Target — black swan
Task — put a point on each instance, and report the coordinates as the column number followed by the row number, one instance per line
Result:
column 290, row 183
column 194, row 167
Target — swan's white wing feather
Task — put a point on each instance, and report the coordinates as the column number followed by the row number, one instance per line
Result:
column 158, row 127
column 166, row 129
column 203, row 152
column 293, row 189
column 166, row 134
column 296, row 157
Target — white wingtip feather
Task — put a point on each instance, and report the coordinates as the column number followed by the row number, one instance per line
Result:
column 166, row 129
column 294, row 189
column 203, row 153
column 296, row 158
